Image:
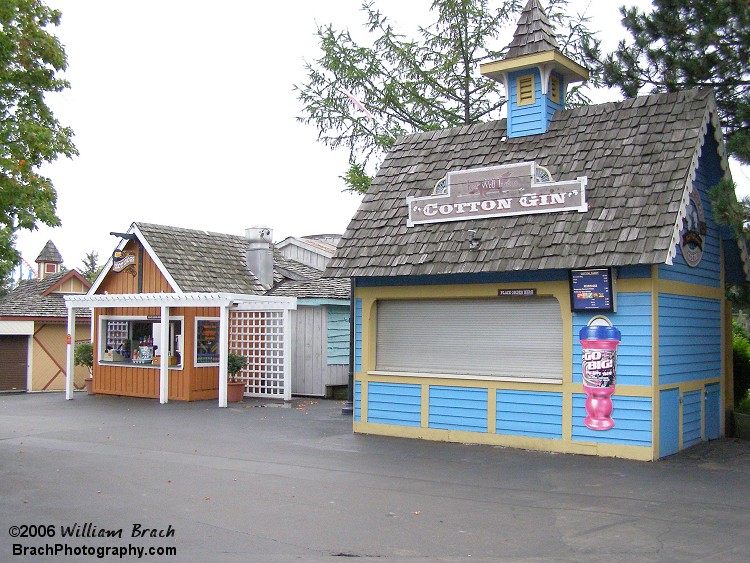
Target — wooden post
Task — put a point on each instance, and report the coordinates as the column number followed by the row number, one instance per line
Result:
column 69, row 363
column 164, row 356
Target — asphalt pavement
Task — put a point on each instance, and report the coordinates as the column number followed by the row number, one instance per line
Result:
column 110, row 478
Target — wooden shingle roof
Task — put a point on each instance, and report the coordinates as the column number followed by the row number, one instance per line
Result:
column 534, row 33
column 49, row 254
column 639, row 156
column 34, row 299
column 204, row 261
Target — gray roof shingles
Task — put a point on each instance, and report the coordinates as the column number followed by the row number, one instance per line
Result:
column 636, row 155
column 203, row 261
column 26, row 300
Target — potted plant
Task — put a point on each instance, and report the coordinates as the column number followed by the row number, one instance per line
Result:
column 235, row 388
column 83, row 355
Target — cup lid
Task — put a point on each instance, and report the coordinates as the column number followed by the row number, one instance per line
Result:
column 599, row 332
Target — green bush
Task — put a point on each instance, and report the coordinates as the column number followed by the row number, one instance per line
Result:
column 83, row 355
column 739, row 330
column 744, row 404
column 741, row 358
column 235, row 363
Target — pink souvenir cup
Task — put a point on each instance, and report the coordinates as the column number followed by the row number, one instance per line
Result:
column 599, row 368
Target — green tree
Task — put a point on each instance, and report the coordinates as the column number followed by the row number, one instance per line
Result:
column 687, row 44
column 91, row 268
column 30, row 62
column 362, row 97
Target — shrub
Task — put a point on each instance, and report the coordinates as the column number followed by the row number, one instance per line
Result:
column 744, row 405
column 83, row 355
column 741, row 358
column 235, row 363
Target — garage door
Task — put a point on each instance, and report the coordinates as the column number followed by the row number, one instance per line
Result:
column 515, row 338
column 13, row 362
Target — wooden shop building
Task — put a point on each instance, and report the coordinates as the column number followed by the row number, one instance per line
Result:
column 172, row 303
column 551, row 281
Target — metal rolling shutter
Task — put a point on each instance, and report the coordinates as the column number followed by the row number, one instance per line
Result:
column 517, row 337
column 13, row 362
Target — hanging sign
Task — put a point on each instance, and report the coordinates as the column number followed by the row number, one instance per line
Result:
column 693, row 232
column 497, row 191
column 123, row 260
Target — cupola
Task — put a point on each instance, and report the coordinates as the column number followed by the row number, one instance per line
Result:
column 535, row 73
column 49, row 260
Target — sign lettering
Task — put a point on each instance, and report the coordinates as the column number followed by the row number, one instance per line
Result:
column 497, row 191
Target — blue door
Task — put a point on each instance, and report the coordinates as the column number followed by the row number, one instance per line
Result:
column 669, row 422
column 713, row 411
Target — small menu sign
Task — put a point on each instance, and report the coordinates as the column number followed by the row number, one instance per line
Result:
column 591, row 290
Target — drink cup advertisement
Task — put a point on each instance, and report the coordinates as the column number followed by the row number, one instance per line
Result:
column 599, row 341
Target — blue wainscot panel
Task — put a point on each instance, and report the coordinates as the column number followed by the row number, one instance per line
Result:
column 358, row 335
column 529, row 413
column 689, row 338
column 634, row 354
column 357, row 401
column 713, row 411
column 394, row 403
column 632, row 416
column 691, row 418
column 458, row 408
column 669, row 422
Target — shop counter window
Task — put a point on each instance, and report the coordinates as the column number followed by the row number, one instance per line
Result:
column 206, row 342
column 136, row 341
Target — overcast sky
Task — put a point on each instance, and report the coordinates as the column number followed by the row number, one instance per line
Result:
column 184, row 115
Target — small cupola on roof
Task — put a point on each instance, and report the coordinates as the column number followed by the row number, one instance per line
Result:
column 535, row 73
column 49, row 260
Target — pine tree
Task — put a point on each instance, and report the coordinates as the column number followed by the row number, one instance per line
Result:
column 363, row 97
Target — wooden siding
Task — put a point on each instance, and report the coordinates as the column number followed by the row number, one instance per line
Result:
column 71, row 286
column 358, row 335
column 632, row 416
column 338, row 335
column 689, row 339
column 669, row 422
column 124, row 282
column 691, row 418
column 526, row 119
column 635, row 352
column 190, row 383
column 311, row 369
column 394, row 403
column 712, row 413
column 458, row 408
column 49, row 354
column 527, row 413
column 357, row 401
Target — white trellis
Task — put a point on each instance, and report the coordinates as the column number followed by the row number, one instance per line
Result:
column 264, row 338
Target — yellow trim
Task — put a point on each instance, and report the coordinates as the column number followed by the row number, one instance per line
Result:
column 491, row 411
column 571, row 71
column 424, row 412
column 688, row 289
column 641, row 453
column 655, row 399
column 525, row 90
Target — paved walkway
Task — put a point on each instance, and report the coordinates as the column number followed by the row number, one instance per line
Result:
column 271, row 483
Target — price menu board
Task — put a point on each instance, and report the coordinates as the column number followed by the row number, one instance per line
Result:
column 592, row 290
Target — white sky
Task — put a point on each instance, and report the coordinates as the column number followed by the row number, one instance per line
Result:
column 184, row 115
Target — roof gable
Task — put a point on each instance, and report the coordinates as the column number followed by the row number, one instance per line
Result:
column 195, row 261
column 38, row 298
column 639, row 156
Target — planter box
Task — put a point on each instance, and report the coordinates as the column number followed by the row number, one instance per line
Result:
column 235, row 391
column 742, row 426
